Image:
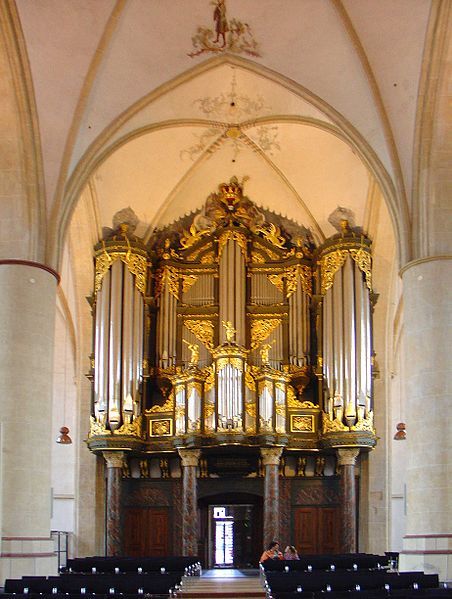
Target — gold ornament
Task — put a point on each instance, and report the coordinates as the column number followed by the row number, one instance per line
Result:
column 232, row 235
column 136, row 263
column 261, row 329
column 132, row 429
column 364, row 262
column 329, row 265
column 203, row 330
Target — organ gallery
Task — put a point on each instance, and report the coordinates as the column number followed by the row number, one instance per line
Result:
column 231, row 370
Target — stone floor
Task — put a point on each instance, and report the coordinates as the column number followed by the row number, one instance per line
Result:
column 223, row 584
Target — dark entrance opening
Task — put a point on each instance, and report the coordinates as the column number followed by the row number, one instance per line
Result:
column 231, row 530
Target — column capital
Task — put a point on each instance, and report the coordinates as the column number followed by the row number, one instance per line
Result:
column 189, row 457
column 271, row 455
column 347, row 457
column 114, row 459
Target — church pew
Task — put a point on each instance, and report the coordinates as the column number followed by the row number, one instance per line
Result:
column 324, row 562
column 348, row 580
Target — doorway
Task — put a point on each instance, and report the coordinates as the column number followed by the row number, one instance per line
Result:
column 231, row 528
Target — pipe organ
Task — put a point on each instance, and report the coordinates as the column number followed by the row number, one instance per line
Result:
column 231, row 326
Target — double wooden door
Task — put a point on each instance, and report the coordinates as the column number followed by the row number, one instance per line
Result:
column 317, row 530
column 146, row 532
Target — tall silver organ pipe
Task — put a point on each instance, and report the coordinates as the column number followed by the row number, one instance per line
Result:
column 166, row 326
column 118, row 335
column 299, row 332
column 346, row 314
column 232, row 291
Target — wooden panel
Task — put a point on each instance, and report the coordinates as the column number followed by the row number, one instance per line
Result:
column 329, row 524
column 146, row 532
column 317, row 530
column 306, row 526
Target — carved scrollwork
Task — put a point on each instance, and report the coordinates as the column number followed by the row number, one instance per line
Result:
column 329, row 266
column 330, row 426
column 203, row 330
column 261, row 329
column 133, row 429
column 97, row 428
column 365, row 424
column 136, row 264
column 232, row 236
column 364, row 262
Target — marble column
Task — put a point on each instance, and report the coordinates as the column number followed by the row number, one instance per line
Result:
column 189, row 459
column 346, row 459
column 270, row 460
column 115, row 461
column 27, row 331
column 427, row 371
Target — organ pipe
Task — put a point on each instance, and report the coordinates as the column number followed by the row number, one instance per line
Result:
column 345, row 282
column 121, row 267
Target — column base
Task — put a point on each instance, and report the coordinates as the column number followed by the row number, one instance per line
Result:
column 27, row 556
column 430, row 553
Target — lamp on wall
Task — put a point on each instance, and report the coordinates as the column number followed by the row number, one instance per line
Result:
column 401, row 432
column 64, row 437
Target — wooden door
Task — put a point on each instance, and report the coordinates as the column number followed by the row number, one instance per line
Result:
column 316, row 530
column 146, row 532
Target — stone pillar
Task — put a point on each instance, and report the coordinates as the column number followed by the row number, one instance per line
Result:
column 27, row 330
column 270, row 460
column 427, row 301
column 190, row 459
column 115, row 461
column 347, row 460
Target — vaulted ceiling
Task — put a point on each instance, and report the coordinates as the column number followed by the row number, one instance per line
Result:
column 311, row 102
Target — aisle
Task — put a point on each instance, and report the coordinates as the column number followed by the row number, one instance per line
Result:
column 223, row 584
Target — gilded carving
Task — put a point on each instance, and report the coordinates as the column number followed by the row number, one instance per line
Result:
column 168, row 406
column 261, row 328
column 293, row 274
column 209, row 409
column 272, row 233
column 365, row 424
column 236, row 363
column 270, row 253
column 330, row 426
column 208, row 258
column 136, row 264
column 280, row 409
column 364, row 262
column 232, row 236
column 167, row 276
column 97, row 428
column 250, row 409
column 133, row 429
column 329, row 265
column 303, row 423
column 209, row 373
column 161, row 428
column 192, row 236
column 257, row 257
column 249, row 380
column 203, row 330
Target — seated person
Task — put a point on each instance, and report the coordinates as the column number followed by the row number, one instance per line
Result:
column 290, row 553
column 272, row 552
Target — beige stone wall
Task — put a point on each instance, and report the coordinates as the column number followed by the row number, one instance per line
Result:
column 27, row 314
column 428, row 372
